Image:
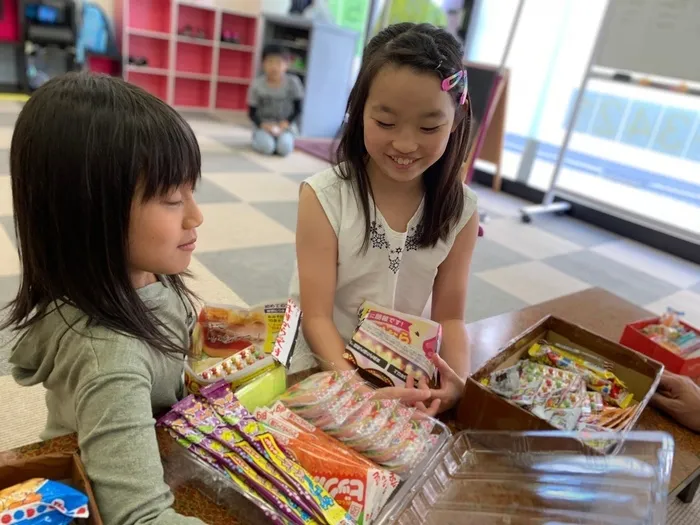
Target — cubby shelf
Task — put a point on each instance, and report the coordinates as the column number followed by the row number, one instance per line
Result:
column 196, row 56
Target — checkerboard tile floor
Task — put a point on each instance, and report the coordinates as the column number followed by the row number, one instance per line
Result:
column 246, row 244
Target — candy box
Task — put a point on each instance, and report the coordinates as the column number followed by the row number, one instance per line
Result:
column 388, row 346
column 483, row 409
column 64, row 468
column 634, row 338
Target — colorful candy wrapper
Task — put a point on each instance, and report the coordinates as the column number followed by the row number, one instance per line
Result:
column 599, row 380
column 347, row 477
column 312, row 397
column 234, row 464
column 387, row 480
column 364, row 425
column 239, row 481
column 232, row 412
column 596, row 401
column 560, row 418
column 205, row 419
column 347, row 401
column 573, row 396
column 41, row 502
column 505, row 382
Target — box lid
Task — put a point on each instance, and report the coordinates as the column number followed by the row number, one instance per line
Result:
column 533, row 478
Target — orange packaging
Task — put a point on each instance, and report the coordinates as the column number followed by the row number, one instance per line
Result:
column 358, row 485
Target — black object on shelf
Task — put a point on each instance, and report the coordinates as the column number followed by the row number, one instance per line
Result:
column 48, row 32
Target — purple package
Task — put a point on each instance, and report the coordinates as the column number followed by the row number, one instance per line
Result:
column 226, row 405
column 233, row 463
column 205, row 419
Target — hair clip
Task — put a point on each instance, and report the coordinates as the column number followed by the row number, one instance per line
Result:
column 453, row 80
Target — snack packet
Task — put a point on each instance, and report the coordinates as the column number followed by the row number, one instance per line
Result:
column 232, row 412
column 235, row 465
column 348, row 477
column 364, row 425
column 223, row 330
column 41, row 502
column 313, row 397
column 597, row 379
column 388, row 346
column 203, row 418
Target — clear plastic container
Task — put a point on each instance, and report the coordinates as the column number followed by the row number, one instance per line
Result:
column 528, row 478
column 183, row 467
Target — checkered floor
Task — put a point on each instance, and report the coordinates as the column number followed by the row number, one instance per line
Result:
column 245, row 251
column 247, row 239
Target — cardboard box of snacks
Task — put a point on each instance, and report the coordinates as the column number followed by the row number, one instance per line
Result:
column 632, row 380
column 64, row 468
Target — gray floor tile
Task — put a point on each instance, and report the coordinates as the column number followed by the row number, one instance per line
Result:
column 696, row 288
column 573, row 230
column 210, row 193
column 255, row 274
column 223, row 163
column 485, row 300
column 8, row 290
column 5, row 161
column 236, row 141
column 633, row 285
column 298, row 177
column 8, row 118
column 489, row 255
column 8, row 224
column 283, row 212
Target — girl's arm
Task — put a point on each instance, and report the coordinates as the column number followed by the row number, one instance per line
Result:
column 317, row 257
column 117, row 440
column 448, row 308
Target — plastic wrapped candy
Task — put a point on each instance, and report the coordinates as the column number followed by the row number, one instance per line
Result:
column 41, row 502
column 313, row 397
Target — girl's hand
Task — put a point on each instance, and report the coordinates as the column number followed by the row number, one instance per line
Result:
column 449, row 393
column 408, row 395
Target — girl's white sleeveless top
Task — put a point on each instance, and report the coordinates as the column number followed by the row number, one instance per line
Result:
column 393, row 272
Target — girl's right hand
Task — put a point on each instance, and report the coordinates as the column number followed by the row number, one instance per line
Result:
column 408, row 395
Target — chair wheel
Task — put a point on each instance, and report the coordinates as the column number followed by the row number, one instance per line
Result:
column 526, row 218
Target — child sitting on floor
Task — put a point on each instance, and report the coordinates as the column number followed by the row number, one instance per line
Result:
column 274, row 103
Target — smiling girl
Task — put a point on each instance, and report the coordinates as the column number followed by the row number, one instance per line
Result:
column 392, row 223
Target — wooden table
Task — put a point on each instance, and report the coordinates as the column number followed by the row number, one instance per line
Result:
column 606, row 314
column 594, row 309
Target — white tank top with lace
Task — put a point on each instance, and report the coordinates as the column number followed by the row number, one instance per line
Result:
column 393, row 272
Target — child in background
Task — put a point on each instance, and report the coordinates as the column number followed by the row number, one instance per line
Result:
column 274, row 104
column 393, row 223
column 103, row 176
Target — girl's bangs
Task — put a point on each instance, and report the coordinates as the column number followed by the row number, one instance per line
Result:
column 169, row 156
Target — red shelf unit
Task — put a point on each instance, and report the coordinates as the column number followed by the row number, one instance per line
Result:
column 188, row 63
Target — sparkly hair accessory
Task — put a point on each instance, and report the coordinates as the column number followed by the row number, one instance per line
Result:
column 453, row 80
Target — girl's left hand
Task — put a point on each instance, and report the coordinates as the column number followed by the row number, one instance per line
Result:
column 449, row 393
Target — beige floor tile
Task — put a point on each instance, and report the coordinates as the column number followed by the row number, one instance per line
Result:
column 5, row 137
column 215, row 129
column 231, row 226
column 296, row 162
column 9, row 260
column 686, row 301
column 209, row 288
column 256, row 187
column 533, row 282
column 209, row 145
column 527, row 240
column 674, row 270
column 5, row 196
column 25, row 417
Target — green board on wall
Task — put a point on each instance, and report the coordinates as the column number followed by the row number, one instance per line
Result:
column 351, row 14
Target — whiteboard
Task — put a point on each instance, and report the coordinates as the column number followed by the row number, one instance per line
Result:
column 656, row 37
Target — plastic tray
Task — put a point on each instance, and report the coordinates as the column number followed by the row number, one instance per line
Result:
column 182, row 467
column 528, row 478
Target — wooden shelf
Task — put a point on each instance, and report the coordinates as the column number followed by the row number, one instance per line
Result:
column 193, row 76
column 290, row 44
column 188, row 72
column 145, row 70
column 237, row 47
column 234, row 80
column 146, row 33
column 196, row 41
